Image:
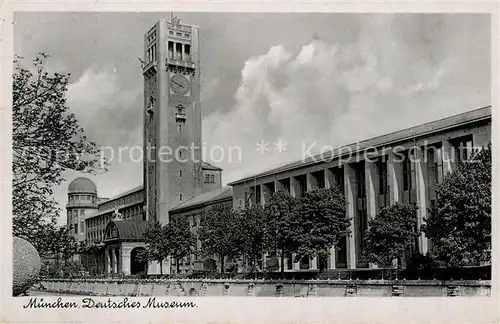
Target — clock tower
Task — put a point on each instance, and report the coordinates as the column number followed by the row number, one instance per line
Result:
column 172, row 117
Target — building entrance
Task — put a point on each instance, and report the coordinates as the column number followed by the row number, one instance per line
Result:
column 138, row 263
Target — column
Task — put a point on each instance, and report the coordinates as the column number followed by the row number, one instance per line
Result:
column 117, row 260
column 329, row 179
column 313, row 263
column 420, row 160
column 166, row 264
column 108, row 261
column 349, row 190
column 372, row 193
column 395, row 180
column 330, row 182
column 295, row 265
column 372, row 188
column 125, row 253
column 262, row 195
column 448, row 157
column 294, row 187
column 112, row 259
column 333, row 254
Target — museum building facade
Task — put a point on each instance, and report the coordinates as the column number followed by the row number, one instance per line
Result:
column 184, row 187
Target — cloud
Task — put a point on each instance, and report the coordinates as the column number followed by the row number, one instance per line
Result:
column 334, row 94
column 360, row 75
column 109, row 112
column 111, row 115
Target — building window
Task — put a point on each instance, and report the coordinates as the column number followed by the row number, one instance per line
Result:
column 75, row 225
column 187, row 52
column 338, row 178
column 269, row 189
column 462, row 148
column 383, row 182
column 178, row 51
column 180, row 196
column 301, row 184
column 319, row 178
column 434, row 170
column 361, row 213
column 382, row 176
column 209, row 178
column 170, row 50
column 408, row 172
column 258, row 196
column 360, row 181
column 304, row 263
column 180, row 173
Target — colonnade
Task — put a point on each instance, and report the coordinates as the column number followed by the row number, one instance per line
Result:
column 396, row 192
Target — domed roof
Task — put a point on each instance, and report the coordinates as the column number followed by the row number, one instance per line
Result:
column 126, row 230
column 82, row 185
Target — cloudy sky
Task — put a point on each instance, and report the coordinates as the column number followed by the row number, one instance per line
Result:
column 305, row 79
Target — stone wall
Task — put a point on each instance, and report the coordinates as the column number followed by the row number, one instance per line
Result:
column 267, row 288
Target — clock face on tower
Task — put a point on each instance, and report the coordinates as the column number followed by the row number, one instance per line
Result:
column 179, row 84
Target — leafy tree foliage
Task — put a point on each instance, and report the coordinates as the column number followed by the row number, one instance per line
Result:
column 92, row 252
column 47, row 139
column 157, row 245
column 57, row 241
column 218, row 232
column 390, row 234
column 251, row 228
column 323, row 220
column 460, row 224
column 180, row 241
column 282, row 225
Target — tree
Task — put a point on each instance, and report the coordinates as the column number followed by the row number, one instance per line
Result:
column 46, row 140
column 219, row 232
column 282, row 226
column 322, row 213
column 92, row 251
column 180, row 240
column 390, row 234
column 57, row 242
column 460, row 224
column 251, row 223
column 157, row 245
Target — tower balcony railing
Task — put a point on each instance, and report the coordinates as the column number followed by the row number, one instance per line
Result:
column 150, row 67
column 180, row 63
column 180, row 116
column 89, row 204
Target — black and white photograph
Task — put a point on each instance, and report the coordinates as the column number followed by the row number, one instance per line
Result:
column 162, row 158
